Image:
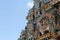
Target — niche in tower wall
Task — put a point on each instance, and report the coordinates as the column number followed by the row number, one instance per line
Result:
column 56, row 30
column 47, row 31
column 33, row 17
column 40, row 12
column 56, row 20
column 25, row 27
column 39, row 4
column 34, row 26
column 40, row 34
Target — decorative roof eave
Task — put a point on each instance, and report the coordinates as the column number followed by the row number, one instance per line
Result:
column 45, row 15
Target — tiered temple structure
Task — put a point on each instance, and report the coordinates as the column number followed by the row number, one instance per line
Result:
column 43, row 21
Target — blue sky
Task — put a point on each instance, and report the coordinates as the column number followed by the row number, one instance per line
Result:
column 13, row 18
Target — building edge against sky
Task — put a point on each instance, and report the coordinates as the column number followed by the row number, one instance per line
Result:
column 43, row 15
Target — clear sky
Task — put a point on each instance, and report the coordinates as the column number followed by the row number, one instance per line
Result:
column 13, row 18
